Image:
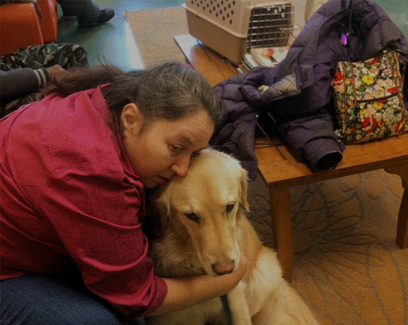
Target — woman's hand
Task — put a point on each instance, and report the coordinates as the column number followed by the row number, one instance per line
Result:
column 185, row 292
column 55, row 72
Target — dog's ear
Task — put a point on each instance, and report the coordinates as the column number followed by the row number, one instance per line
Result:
column 244, row 190
column 157, row 213
column 166, row 217
column 162, row 214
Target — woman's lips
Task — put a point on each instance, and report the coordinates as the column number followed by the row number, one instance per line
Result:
column 162, row 180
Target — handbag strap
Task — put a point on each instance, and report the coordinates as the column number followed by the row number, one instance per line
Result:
column 309, row 52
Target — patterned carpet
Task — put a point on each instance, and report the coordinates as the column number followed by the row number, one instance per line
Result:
column 155, row 41
column 347, row 265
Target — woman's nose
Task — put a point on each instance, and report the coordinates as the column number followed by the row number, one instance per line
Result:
column 180, row 166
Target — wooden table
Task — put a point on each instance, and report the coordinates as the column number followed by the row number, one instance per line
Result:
column 281, row 170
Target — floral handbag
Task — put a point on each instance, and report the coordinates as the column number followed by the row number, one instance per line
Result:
column 369, row 99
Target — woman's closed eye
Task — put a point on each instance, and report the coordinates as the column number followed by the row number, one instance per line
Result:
column 175, row 149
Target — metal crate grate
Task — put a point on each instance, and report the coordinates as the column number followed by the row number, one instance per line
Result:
column 270, row 26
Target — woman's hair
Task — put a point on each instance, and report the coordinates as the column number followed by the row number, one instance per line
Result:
column 167, row 91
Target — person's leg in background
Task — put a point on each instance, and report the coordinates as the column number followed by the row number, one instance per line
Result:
column 87, row 11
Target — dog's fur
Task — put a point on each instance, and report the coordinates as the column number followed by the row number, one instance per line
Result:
column 203, row 229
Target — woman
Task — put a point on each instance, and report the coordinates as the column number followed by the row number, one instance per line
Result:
column 74, row 168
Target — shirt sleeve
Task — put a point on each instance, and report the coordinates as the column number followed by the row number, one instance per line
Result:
column 17, row 83
column 97, row 219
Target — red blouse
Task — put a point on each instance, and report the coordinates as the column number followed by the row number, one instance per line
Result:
column 69, row 194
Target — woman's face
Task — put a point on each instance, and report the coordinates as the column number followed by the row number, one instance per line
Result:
column 165, row 147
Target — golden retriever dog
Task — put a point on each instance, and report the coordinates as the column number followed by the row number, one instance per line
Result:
column 204, row 229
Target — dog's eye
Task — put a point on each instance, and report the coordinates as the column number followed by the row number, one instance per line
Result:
column 230, row 207
column 193, row 217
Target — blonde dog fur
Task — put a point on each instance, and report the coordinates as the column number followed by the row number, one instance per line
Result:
column 203, row 229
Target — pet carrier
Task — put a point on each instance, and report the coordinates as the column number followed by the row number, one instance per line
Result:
column 231, row 27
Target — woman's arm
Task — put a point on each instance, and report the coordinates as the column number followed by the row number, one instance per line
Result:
column 185, row 292
column 20, row 82
column 17, row 83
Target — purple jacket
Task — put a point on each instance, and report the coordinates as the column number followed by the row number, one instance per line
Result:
column 298, row 94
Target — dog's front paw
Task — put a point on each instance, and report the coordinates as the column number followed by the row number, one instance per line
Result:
column 239, row 306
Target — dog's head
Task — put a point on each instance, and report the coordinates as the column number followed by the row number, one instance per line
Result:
column 203, row 207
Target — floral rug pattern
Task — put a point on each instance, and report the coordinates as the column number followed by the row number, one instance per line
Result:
column 347, row 265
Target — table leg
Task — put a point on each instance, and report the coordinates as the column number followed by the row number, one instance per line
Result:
column 402, row 228
column 279, row 197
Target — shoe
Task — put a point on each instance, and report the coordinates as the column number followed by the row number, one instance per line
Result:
column 68, row 15
column 105, row 15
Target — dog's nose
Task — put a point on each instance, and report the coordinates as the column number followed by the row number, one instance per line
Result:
column 223, row 267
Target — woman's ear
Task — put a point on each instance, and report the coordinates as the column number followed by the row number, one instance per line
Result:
column 132, row 119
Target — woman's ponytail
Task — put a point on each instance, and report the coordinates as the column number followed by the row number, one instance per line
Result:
column 77, row 79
